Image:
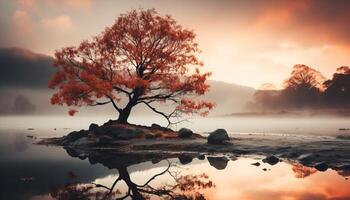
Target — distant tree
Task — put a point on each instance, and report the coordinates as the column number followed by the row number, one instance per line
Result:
column 303, row 76
column 266, row 97
column 144, row 57
column 337, row 92
column 303, row 87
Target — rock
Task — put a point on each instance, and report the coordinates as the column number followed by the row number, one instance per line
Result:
column 233, row 158
column 218, row 136
column 307, row 159
column 104, row 140
column 185, row 133
column 256, row 164
column 219, row 163
column 345, row 167
column 156, row 126
column 149, row 136
column 272, row 160
column 201, row 157
column 93, row 127
column 124, row 133
column 159, row 127
column 321, row 167
column 264, row 169
column 185, row 159
column 84, row 141
column 73, row 136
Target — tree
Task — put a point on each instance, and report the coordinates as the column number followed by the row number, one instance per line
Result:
column 337, row 91
column 303, row 87
column 144, row 58
column 304, row 76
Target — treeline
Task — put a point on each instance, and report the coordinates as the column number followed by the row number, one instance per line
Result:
column 306, row 88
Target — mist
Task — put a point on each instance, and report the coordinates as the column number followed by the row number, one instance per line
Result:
column 24, row 89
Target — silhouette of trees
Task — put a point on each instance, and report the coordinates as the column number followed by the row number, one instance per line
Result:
column 307, row 88
column 302, row 89
column 337, row 91
column 143, row 58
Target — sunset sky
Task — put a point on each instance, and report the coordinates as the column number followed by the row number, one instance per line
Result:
column 245, row 41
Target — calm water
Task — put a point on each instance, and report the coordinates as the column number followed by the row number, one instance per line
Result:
column 280, row 125
column 38, row 172
column 35, row 172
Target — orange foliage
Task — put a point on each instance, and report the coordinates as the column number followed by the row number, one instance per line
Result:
column 143, row 56
column 305, row 76
column 301, row 171
column 72, row 112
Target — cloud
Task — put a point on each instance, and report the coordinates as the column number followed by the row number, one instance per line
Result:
column 84, row 5
column 62, row 23
column 307, row 21
column 22, row 22
column 28, row 4
column 40, row 5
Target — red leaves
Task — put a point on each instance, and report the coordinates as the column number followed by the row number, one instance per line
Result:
column 57, row 79
column 142, row 51
column 72, row 112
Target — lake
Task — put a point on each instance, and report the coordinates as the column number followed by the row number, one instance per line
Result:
column 37, row 172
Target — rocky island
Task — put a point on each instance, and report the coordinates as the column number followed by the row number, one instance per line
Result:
column 124, row 142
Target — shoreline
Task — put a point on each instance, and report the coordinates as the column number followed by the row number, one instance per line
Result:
column 319, row 152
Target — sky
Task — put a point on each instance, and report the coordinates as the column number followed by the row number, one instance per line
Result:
column 248, row 42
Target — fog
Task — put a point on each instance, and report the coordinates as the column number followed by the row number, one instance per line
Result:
column 318, row 126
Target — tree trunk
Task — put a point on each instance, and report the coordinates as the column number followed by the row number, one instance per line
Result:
column 124, row 175
column 124, row 115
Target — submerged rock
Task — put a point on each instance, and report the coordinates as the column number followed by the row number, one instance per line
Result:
column 219, row 163
column 201, row 157
column 343, row 137
column 219, row 136
column 185, row 159
column 185, row 133
column 321, row 167
column 271, row 160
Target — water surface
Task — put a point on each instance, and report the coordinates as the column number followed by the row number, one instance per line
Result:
column 38, row 172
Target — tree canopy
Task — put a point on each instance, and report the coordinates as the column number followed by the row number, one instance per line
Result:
column 143, row 57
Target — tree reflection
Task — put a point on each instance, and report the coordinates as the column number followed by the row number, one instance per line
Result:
column 184, row 187
column 301, row 171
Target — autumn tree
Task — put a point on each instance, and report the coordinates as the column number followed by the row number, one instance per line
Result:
column 144, row 58
column 303, row 76
column 303, row 87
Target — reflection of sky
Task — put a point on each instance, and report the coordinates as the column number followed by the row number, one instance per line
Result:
column 49, row 167
column 241, row 180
